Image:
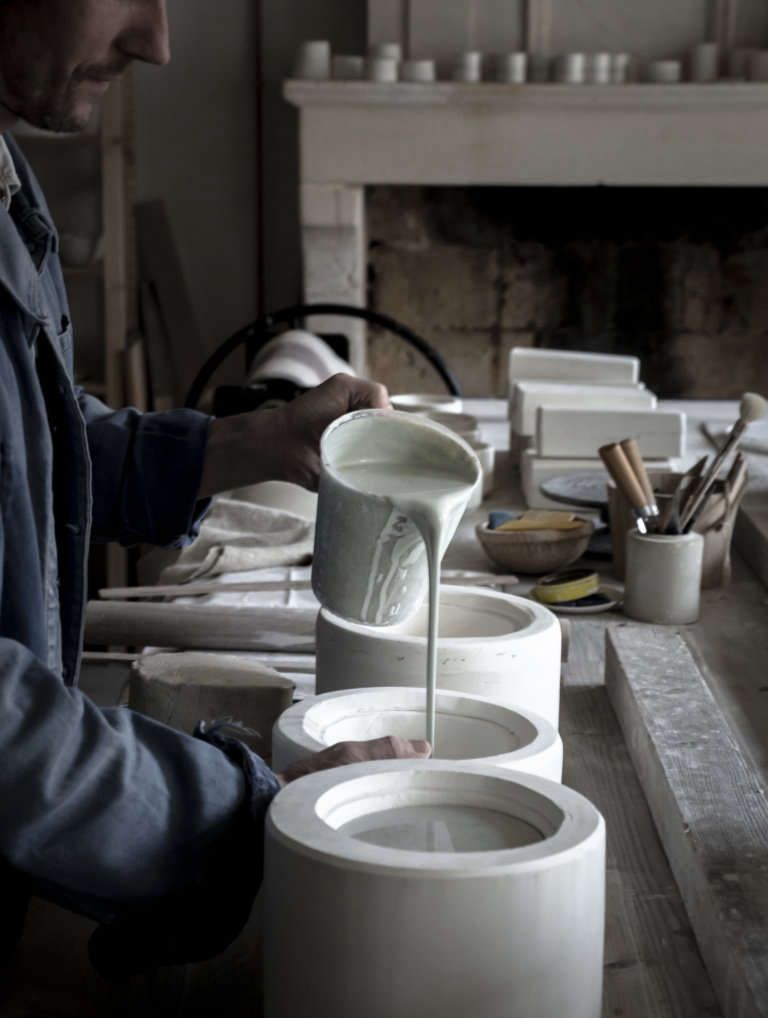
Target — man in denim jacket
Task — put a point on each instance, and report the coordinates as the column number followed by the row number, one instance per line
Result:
column 155, row 834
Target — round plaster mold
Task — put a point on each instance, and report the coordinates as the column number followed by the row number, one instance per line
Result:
column 433, row 888
column 493, row 645
column 468, row 728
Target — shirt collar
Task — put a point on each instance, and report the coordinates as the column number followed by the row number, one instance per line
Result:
column 9, row 181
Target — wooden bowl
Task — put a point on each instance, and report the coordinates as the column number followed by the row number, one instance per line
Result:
column 535, row 551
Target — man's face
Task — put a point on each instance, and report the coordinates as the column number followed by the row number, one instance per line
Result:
column 57, row 57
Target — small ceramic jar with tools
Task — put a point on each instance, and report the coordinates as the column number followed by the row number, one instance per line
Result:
column 663, row 582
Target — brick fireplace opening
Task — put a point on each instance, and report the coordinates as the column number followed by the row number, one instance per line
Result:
column 675, row 275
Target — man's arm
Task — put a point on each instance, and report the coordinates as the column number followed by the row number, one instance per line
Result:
column 283, row 444
column 151, row 470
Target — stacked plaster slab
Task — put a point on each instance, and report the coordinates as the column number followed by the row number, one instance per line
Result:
column 563, row 406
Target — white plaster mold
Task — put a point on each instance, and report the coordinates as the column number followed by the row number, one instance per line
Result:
column 526, row 398
column 528, row 364
column 468, row 728
column 580, row 433
column 492, row 645
column 511, row 931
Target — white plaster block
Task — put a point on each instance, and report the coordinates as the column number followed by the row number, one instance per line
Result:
column 534, row 470
column 527, row 364
column 331, row 205
column 561, row 432
column 527, row 397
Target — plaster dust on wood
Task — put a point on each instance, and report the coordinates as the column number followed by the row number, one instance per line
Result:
column 435, row 500
column 708, row 801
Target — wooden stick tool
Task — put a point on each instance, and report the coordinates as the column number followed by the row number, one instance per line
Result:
column 620, row 469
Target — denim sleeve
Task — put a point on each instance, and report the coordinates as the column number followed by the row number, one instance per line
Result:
column 147, row 470
column 155, row 834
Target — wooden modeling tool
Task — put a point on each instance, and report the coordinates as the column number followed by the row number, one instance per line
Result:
column 669, row 522
column 635, row 457
column 623, row 476
column 752, row 408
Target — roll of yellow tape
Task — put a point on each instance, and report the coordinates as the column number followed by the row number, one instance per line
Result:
column 568, row 586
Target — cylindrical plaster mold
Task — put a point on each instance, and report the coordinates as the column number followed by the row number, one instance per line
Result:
column 494, row 645
column 468, row 728
column 370, row 561
column 433, row 888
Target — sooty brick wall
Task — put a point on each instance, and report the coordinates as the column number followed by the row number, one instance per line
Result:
column 677, row 276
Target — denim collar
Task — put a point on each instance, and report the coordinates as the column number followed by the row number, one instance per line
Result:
column 30, row 221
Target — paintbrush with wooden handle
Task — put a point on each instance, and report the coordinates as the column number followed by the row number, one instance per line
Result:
column 623, row 476
column 635, row 457
column 752, row 408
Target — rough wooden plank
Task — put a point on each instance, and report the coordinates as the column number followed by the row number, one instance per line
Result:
column 652, row 966
column 707, row 802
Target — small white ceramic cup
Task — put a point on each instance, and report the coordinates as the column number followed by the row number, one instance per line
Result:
column 348, row 68
column 705, row 63
column 666, row 72
column 512, row 68
column 419, row 72
column 469, row 68
column 621, row 68
column 572, row 69
column 383, row 70
column 663, row 578
column 369, row 563
column 387, row 51
column 599, row 69
column 314, row 61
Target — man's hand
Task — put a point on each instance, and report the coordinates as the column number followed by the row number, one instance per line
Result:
column 391, row 747
column 283, row 444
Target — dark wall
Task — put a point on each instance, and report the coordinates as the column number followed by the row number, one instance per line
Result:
column 677, row 276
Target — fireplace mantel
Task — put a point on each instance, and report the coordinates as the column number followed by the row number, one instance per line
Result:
column 355, row 134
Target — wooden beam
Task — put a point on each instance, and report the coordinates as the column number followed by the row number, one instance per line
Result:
column 707, row 801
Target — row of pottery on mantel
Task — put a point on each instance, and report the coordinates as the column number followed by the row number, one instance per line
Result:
column 492, row 903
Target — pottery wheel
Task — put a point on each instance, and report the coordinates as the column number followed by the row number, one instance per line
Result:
column 587, row 489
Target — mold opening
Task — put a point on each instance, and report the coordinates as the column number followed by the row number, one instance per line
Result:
column 458, row 736
column 418, row 812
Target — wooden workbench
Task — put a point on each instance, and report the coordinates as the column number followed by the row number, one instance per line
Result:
column 653, row 967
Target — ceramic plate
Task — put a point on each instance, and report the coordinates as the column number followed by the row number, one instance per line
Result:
column 615, row 596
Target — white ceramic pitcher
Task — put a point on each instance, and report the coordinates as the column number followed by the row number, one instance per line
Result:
column 369, row 560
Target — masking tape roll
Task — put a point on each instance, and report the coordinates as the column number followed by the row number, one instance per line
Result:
column 569, row 586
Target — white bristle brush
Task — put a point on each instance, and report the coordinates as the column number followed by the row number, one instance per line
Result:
column 751, row 408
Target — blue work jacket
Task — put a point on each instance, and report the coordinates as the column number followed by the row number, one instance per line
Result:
column 153, row 833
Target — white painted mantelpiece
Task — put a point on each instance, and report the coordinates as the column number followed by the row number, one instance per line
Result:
column 355, row 134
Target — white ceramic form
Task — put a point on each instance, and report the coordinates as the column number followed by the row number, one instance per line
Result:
column 419, row 72
column 665, row 72
column 528, row 364
column 493, row 645
column 469, row 728
column 384, row 70
column 418, row 402
column 491, row 905
column 512, row 68
column 572, row 433
column 370, row 560
column 468, row 68
column 527, row 397
column 663, row 577
column 705, row 63
column 348, row 68
column 313, row 62
column 463, row 424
